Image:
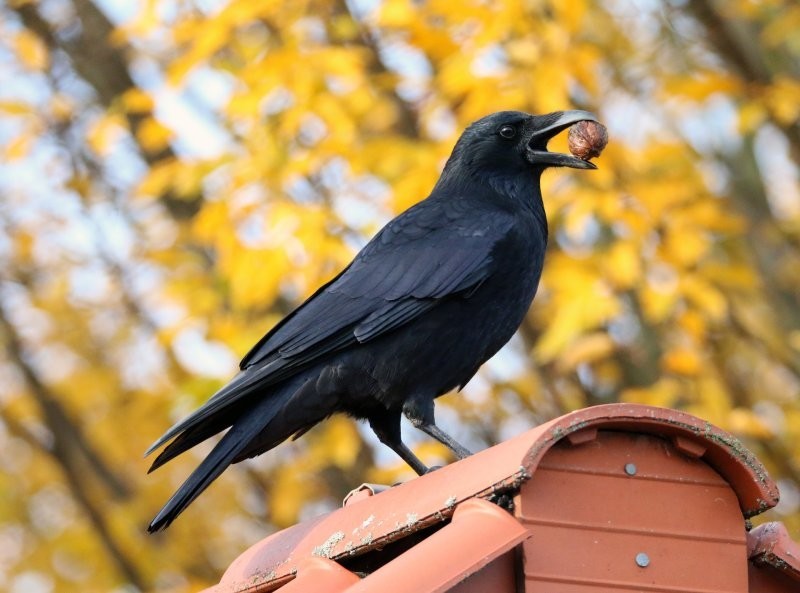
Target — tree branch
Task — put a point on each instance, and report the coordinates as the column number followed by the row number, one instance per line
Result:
column 69, row 442
column 104, row 67
column 67, row 448
column 736, row 42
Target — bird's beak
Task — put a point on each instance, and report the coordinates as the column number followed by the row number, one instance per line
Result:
column 547, row 126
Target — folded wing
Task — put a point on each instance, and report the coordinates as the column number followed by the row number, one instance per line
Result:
column 416, row 261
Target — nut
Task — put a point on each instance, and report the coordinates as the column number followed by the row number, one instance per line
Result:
column 587, row 139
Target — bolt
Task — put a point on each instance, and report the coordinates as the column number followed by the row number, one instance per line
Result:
column 642, row 559
column 630, row 469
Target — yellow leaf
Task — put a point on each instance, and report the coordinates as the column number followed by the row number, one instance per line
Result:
column 24, row 244
column 578, row 215
column 203, row 40
column 700, row 87
column 153, row 135
column 780, row 30
column 344, row 28
column 245, row 104
column 290, row 491
column 62, row 107
column 31, row 51
column 571, row 14
column 662, row 393
column 709, row 215
column 742, row 421
column 588, row 348
column 751, row 115
column 340, row 443
column 712, row 397
column 623, row 265
column 159, row 178
column 396, row 13
column 794, row 339
column 525, row 51
column 141, row 25
column 15, row 108
column 682, row 361
column 608, row 373
column 104, row 133
column 552, row 84
column 694, row 324
column 345, row 62
column 783, row 100
column 255, row 276
column 80, row 184
column 432, row 451
column 704, row 295
column 659, row 300
column 756, row 316
column 733, row 276
column 685, row 245
column 136, row 100
column 18, row 148
column 455, row 77
column 583, row 303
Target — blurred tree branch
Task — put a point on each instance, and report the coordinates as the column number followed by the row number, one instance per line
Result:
column 70, row 445
column 71, row 451
column 739, row 43
column 104, row 66
column 407, row 119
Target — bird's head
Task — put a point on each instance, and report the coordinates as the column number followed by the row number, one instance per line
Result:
column 509, row 142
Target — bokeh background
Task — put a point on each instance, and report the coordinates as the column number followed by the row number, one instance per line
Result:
column 176, row 175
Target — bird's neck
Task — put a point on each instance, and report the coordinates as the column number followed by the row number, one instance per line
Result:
column 513, row 192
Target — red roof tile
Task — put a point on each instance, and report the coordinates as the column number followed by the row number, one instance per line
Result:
column 372, row 522
column 769, row 545
column 480, row 532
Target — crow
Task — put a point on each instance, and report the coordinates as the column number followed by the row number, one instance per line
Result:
column 419, row 309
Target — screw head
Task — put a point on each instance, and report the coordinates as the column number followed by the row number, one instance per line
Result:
column 642, row 559
column 630, row 469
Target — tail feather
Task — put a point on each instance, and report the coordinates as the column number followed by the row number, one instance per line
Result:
column 194, row 436
column 295, row 419
column 231, row 392
column 243, row 384
column 243, row 431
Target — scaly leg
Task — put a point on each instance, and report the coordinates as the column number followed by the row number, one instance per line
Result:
column 420, row 413
column 387, row 428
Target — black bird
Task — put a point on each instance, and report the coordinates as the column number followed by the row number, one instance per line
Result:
column 421, row 307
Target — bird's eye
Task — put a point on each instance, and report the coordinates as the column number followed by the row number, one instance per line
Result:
column 507, row 132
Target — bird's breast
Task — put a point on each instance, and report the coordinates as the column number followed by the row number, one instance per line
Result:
column 442, row 348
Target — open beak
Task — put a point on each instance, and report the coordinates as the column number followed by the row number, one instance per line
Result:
column 548, row 126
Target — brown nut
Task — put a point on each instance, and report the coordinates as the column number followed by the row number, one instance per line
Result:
column 587, row 139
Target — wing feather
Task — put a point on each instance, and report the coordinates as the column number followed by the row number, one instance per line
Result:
column 420, row 258
column 425, row 255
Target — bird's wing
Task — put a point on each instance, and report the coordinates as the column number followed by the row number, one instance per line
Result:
column 430, row 252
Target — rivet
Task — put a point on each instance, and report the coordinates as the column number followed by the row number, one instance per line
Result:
column 630, row 469
column 642, row 559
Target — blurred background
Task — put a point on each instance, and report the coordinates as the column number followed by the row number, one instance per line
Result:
column 176, row 175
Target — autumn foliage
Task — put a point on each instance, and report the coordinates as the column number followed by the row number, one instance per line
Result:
column 177, row 175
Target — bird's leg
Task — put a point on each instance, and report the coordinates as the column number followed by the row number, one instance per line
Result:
column 387, row 428
column 420, row 413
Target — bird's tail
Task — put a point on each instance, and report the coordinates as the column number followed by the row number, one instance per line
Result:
column 244, row 430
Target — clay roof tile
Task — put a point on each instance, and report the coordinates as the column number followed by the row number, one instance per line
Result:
column 425, row 504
